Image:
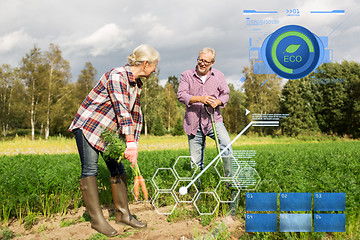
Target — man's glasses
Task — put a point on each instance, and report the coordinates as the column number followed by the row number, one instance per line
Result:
column 207, row 63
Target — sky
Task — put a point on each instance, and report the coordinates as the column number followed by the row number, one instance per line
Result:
column 106, row 32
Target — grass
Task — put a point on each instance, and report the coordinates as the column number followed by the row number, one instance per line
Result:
column 61, row 145
column 49, row 182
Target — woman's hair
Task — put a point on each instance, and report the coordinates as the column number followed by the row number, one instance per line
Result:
column 143, row 53
column 208, row 49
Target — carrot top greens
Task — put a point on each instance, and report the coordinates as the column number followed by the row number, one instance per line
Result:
column 115, row 145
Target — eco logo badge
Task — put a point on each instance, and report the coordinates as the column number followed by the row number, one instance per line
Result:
column 292, row 52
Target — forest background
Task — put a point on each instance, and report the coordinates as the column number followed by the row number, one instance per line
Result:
column 38, row 99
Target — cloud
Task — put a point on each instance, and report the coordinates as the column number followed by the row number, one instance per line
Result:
column 107, row 39
column 147, row 18
column 15, row 40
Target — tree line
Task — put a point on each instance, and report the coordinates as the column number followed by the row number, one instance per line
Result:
column 38, row 99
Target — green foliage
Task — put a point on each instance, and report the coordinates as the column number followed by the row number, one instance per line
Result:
column 326, row 166
column 218, row 232
column 261, row 99
column 181, row 212
column 66, row 223
column 158, row 128
column 178, row 129
column 86, row 81
column 86, row 216
column 298, row 101
column 6, row 234
column 30, row 220
column 174, row 81
column 115, row 147
column 151, row 101
column 98, row 236
column 331, row 107
column 38, row 96
column 205, row 219
column 234, row 111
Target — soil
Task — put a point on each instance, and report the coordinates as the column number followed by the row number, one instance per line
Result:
column 158, row 227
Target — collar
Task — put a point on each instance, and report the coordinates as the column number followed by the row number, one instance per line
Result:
column 132, row 81
column 210, row 73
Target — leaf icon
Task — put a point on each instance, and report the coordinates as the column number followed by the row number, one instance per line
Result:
column 292, row 48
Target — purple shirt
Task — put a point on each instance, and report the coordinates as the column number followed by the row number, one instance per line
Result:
column 191, row 85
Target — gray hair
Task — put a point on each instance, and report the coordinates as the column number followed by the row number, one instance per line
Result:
column 143, row 53
column 208, row 49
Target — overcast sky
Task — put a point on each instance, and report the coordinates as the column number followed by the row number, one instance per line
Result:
column 105, row 32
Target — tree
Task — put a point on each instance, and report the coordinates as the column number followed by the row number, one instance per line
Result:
column 32, row 71
column 174, row 81
column 336, row 106
column 169, row 106
column 57, row 76
column 6, row 91
column 158, row 127
column 261, row 97
column 86, row 81
column 150, row 102
column 234, row 111
column 353, row 115
column 297, row 100
column 178, row 128
column 67, row 107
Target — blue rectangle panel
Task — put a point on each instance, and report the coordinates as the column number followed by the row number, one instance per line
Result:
column 329, row 222
column 295, row 201
column 329, row 201
column 295, row 222
column 260, row 222
column 261, row 201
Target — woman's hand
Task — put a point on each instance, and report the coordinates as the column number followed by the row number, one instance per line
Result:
column 131, row 152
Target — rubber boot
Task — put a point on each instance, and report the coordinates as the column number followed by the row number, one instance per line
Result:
column 88, row 186
column 120, row 198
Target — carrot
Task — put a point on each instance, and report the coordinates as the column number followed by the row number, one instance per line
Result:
column 136, row 187
column 139, row 182
column 143, row 188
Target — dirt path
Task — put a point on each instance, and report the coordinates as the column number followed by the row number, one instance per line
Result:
column 158, row 227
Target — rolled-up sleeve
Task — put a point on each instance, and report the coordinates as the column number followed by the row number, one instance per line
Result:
column 184, row 87
column 120, row 98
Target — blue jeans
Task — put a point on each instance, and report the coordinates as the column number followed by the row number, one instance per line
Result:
column 197, row 146
column 89, row 158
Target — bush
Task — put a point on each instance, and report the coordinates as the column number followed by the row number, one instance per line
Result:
column 158, row 129
column 178, row 129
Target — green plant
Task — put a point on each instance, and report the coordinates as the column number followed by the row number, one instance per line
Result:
column 115, row 145
column 7, row 234
column 284, row 165
column 66, row 223
column 98, row 236
column 30, row 220
column 6, row 210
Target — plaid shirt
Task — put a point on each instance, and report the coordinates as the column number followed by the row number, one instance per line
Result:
column 111, row 105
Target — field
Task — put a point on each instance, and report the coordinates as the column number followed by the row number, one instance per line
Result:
column 39, row 183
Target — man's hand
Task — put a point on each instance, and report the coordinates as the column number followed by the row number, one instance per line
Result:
column 207, row 100
column 131, row 153
column 215, row 103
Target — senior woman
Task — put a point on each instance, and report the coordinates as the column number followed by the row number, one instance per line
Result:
column 114, row 103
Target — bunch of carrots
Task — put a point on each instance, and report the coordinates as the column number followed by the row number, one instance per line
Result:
column 139, row 182
column 115, row 149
